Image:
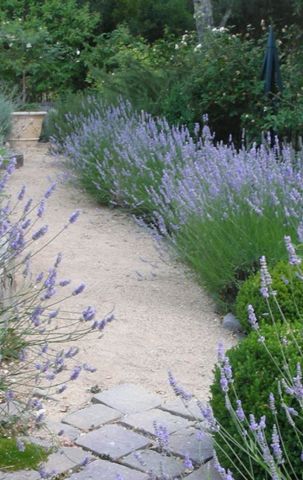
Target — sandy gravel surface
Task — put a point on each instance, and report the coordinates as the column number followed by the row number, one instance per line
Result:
column 163, row 318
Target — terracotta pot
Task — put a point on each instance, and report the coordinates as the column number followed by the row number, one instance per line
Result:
column 26, row 128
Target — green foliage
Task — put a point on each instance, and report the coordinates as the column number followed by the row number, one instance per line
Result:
column 6, row 108
column 10, row 344
column 257, row 368
column 73, row 106
column 224, row 251
column 149, row 18
column 245, row 12
column 177, row 79
column 289, row 294
column 12, row 459
column 42, row 44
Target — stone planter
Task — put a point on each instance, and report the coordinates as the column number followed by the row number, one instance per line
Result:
column 26, row 128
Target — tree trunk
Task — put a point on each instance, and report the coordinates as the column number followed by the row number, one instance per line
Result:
column 203, row 16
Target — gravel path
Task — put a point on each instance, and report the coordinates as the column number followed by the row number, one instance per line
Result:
column 163, row 318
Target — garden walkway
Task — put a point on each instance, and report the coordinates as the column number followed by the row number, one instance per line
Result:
column 163, row 318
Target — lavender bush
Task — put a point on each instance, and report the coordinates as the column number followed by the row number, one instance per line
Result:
column 37, row 334
column 221, row 208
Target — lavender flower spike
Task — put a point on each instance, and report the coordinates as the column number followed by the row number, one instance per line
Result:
column 74, row 216
column 39, row 233
column 79, row 289
column 293, row 257
column 252, row 317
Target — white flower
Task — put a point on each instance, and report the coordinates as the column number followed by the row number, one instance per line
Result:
column 176, row 47
column 28, row 45
column 78, row 51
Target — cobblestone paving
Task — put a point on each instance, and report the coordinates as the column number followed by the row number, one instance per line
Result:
column 114, row 438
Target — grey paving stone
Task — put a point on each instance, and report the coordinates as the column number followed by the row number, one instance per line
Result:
column 191, row 441
column 68, row 431
column 144, row 421
column 112, row 441
column 92, row 417
column 128, row 398
column 177, row 407
column 230, row 322
column 21, row 475
column 65, row 459
column 149, row 460
column 104, row 470
column 206, row 472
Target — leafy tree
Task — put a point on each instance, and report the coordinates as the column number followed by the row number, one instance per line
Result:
column 246, row 12
column 42, row 45
column 149, row 18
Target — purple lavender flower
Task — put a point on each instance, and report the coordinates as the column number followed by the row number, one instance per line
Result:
column 39, row 277
column 58, row 260
column 239, row 411
column 71, row 352
column 79, row 289
column 63, row 283
column 178, row 390
column 161, row 434
column 85, row 461
column 76, row 372
column 252, row 317
column 293, row 257
column 53, row 314
column 21, row 193
column 74, row 216
column 188, row 464
column 41, row 209
column 272, row 403
column 89, row 313
column 26, row 224
column 40, row 233
column 208, row 415
column 27, row 206
column 88, row 368
column 266, row 280
column 62, row 388
column 276, row 447
column 50, row 190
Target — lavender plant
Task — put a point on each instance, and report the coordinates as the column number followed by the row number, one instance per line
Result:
column 37, row 333
column 221, row 208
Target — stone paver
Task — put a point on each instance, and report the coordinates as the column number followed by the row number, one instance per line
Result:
column 119, row 427
column 65, row 459
column 21, row 475
column 128, row 398
column 112, row 441
column 68, row 431
column 92, row 417
column 177, row 407
column 144, row 421
column 104, row 470
column 149, row 460
column 206, row 472
column 191, row 441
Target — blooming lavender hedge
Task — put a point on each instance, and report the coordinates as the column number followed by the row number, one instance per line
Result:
column 221, row 208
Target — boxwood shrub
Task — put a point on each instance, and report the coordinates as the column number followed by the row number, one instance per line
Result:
column 289, row 293
column 257, row 368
